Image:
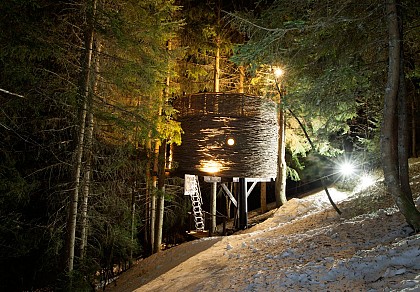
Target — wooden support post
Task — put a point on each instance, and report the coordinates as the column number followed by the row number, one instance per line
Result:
column 213, row 180
column 213, row 225
column 243, row 204
column 263, row 198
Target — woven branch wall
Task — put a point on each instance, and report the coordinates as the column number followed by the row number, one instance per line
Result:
column 210, row 120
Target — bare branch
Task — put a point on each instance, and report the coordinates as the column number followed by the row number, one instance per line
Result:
column 10, row 93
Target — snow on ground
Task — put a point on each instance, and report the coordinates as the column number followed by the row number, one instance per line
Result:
column 304, row 246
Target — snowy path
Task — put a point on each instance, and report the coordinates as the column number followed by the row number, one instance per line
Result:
column 305, row 246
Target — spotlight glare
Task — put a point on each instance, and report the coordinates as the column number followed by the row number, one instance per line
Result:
column 346, row 169
column 210, row 166
column 366, row 181
column 278, row 72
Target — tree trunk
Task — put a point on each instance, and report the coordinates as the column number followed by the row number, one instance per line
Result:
column 133, row 219
column 88, row 168
column 153, row 198
column 85, row 91
column 413, row 126
column 149, row 186
column 161, row 163
column 86, row 187
column 217, row 70
column 403, row 134
column 280, row 187
column 389, row 140
column 241, row 79
column 160, row 206
column 216, row 87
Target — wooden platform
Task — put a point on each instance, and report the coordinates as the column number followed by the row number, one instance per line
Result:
column 198, row 234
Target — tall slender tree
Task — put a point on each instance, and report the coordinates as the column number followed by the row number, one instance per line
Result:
column 85, row 93
column 208, row 41
column 394, row 147
column 335, row 71
column 87, row 178
column 48, row 100
column 36, row 136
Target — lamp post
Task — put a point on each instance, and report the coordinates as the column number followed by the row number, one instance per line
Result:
column 280, row 189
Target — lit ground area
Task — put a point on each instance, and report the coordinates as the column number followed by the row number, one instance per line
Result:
column 304, row 246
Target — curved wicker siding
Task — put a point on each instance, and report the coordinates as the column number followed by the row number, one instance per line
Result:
column 209, row 120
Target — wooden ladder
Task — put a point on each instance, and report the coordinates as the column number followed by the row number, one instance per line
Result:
column 192, row 189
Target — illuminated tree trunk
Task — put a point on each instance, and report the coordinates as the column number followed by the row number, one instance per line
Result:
column 153, row 198
column 133, row 218
column 391, row 143
column 217, row 70
column 160, row 202
column 85, row 92
column 86, row 186
column 280, row 188
column 217, row 54
column 149, row 187
column 241, row 79
column 88, row 168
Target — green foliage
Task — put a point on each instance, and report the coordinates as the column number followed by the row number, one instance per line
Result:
column 177, row 206
column 118, row 175
column 135, row 63
column 40, row 59
column 333, row 53
column 35, row 134
column 332, row 63
column 292, row 174
column 202, row 33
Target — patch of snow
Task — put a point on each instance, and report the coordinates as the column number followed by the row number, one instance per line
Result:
column 305, row 246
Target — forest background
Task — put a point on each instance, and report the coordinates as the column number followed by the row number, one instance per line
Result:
column 85, row 117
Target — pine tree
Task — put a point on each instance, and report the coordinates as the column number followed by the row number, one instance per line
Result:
column 44, row 111
column 395, row 163
column 208, row 41
column 36, row 138
column 335, row 54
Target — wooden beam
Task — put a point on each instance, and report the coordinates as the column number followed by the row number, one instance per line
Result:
column 248, row 191
column 229, row 194
column 252, row 179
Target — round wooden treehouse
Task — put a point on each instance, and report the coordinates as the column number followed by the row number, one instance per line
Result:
column 227, row 137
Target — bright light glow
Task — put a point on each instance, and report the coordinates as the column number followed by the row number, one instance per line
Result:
column 230, row 141
column 346, row 168
column 366, row 181
column 278, row 72
column 210, row 166
column 336, row 195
